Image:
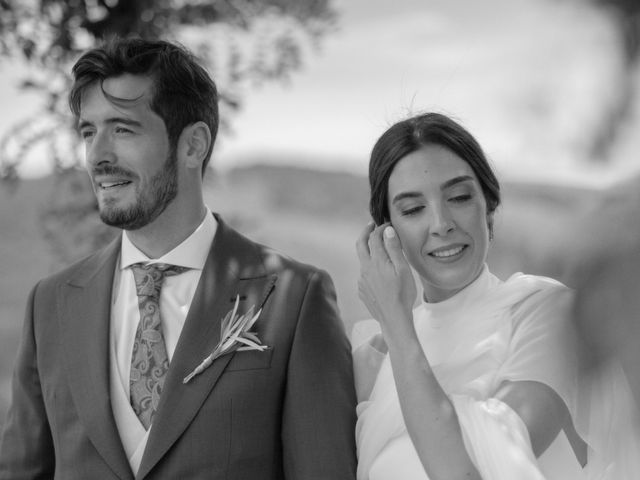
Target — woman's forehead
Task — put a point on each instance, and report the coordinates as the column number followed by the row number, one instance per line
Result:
column 431, row 165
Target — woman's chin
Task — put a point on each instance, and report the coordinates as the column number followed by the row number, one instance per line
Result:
column 446, row 284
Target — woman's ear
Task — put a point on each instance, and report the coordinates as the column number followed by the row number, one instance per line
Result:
column 193, row 144
column 490, row 224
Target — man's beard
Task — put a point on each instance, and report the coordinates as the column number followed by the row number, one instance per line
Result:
column 150, row 202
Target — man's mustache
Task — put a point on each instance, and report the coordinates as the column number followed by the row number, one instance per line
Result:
column 112, row 170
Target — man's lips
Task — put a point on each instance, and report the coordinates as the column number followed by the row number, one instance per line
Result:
column 106, row 184
column 106, row 177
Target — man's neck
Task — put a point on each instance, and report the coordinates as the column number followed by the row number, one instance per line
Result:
column 166, row 232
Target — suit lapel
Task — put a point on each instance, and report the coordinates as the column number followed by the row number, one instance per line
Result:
column 85, row 309
column 231, row 263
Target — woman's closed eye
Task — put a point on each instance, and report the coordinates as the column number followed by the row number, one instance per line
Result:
column 461, row 198
column 411, row 210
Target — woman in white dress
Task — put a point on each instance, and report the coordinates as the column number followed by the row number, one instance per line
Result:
column 480, row 380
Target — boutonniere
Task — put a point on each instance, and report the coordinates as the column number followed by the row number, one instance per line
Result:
column 235, row 335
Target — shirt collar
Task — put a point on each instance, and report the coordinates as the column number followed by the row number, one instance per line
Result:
column 191, row 253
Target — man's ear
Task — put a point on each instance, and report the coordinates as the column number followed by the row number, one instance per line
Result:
column 193, row 144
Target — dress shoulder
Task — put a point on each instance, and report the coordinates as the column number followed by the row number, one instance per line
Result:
column 541, row 298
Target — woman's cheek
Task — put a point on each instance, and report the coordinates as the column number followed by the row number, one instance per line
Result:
column 410, row 244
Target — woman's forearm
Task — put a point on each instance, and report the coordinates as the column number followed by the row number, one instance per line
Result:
column 428, row 413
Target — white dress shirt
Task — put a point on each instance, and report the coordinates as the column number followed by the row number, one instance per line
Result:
column 175, row 299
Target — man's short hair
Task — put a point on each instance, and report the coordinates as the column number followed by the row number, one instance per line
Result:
column 183, row 92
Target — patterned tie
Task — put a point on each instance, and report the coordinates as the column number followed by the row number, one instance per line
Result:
column 149, row 361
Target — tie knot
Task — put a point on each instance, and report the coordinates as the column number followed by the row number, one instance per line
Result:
column 149, row 278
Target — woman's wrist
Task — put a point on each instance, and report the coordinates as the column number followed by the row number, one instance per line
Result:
column 400, row 333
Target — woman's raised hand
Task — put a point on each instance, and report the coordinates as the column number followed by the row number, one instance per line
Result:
column 386, row 285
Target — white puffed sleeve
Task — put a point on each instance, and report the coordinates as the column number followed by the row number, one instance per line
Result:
column 496, row 439
column 543, row 345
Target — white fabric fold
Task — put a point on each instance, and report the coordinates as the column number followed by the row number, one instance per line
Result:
column 496, row 439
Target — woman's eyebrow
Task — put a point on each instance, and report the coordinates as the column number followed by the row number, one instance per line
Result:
column 448, row 184
column 455, row 181
column 403, row 195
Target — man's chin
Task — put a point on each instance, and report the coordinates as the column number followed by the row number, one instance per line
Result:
column 126, row 220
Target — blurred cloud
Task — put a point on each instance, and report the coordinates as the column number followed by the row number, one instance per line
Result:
column 528, row 77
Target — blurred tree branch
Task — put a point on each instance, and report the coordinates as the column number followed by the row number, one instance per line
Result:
column 244, row 43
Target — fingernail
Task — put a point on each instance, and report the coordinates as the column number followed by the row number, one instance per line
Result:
column 389, row 232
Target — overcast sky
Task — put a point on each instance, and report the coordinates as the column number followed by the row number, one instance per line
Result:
column 527, row 77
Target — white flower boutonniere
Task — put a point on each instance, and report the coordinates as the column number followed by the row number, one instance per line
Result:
column 235, row 335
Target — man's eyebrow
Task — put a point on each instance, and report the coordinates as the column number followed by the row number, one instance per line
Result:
column 110, row 121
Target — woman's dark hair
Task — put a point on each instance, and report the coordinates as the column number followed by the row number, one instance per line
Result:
column 183, row 91
column 412, row 134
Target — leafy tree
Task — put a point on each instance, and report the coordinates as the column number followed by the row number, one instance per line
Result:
column 244, row 43
column 626, row 17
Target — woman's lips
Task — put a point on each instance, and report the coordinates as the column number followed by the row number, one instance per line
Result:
column 447, row 252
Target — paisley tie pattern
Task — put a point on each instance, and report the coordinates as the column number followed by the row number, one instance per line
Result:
column 149, row 360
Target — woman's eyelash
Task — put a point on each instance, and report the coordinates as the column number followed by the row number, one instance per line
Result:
column 456, row 199
column 461, row 198
column 412, row 210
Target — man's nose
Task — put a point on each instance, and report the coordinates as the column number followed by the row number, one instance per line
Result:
column 100, row 151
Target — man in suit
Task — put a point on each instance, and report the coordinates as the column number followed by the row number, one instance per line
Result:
column 98, row 387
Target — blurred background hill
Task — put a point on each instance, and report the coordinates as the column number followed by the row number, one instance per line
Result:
column 312, row 215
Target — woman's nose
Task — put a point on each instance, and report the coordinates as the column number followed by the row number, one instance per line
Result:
column 441, row 222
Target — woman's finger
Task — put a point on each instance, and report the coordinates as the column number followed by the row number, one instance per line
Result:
column 376, row 243
column 393, row 248
column 362, row 244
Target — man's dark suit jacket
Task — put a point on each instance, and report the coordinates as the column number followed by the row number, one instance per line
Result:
column 285, row 413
